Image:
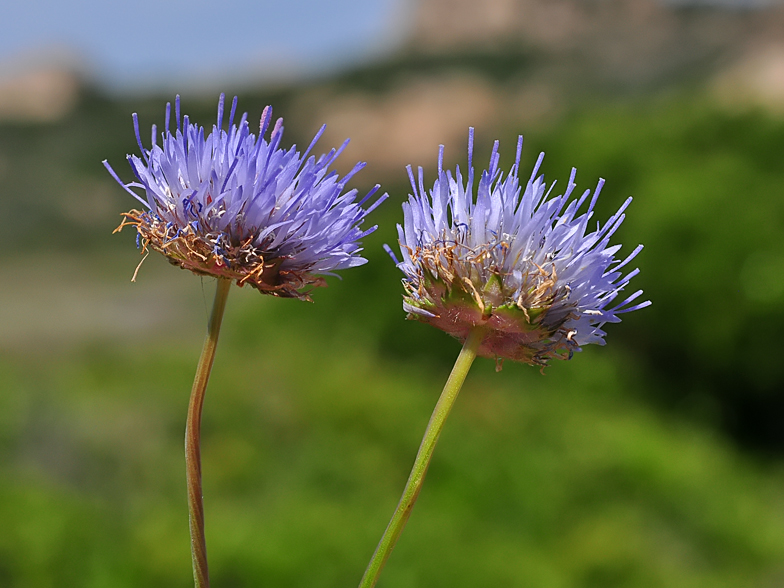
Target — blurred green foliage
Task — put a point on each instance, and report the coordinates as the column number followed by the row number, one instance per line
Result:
column 613, row 469
column 561, row 480
column 710, row 209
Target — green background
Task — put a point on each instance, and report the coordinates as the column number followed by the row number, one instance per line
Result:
column 653, row 461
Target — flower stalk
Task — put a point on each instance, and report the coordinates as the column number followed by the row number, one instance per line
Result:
column 193, row 438
column 233, row 204
column 424, row 455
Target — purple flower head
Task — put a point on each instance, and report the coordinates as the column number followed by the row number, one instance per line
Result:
column 235, row 205
column 517, row 262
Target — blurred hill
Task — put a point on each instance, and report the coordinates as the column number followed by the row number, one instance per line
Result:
column 527, row 60
column 626, row 44
column 543, row 54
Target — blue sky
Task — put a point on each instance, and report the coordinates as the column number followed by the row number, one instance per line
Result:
column 146, row 44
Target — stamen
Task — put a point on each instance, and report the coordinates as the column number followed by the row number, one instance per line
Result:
column 136, row 271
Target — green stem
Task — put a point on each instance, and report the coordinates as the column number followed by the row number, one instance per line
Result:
column 422, row 461
column 201, row 576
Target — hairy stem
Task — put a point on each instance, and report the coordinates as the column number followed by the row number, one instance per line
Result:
column 422, row 461
column 201, row 576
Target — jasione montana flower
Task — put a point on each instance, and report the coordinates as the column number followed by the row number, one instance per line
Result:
column 235, row 205
column 519, row 263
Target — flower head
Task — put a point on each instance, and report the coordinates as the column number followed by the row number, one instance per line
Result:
column 517, row 263
column 233, row 205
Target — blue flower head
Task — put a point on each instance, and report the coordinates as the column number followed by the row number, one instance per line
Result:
column 519, row 263
column 232, row 204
